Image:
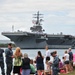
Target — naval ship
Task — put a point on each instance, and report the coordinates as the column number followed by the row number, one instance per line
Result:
column 38, row 39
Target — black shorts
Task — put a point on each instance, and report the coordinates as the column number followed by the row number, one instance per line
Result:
column 40, row 67
column 66, row 62
column 16, row 69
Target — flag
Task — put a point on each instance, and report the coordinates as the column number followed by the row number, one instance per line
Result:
column 33, row 21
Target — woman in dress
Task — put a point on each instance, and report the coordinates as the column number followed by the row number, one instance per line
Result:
column 40, row 63
column 17, row 61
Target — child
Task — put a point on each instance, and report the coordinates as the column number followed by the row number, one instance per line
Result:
column 33, row 69
column 47, row 67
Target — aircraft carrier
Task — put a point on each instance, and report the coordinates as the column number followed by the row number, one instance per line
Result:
column 37, row 39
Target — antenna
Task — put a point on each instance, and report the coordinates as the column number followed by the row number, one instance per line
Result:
column 38, row 17
column 12, row 28
column 37, row 23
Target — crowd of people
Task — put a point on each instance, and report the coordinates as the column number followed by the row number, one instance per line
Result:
column 42, row 65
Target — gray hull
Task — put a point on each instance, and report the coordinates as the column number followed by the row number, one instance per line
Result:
column 39, row 41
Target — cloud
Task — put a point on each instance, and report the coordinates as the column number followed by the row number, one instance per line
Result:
column 31, row 5
column 59, row 15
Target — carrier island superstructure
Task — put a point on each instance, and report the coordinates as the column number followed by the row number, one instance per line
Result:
column 37, row 39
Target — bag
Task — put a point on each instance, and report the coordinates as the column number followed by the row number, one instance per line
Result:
column 20, row 70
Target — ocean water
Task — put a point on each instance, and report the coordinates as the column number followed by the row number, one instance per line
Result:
column 32, row 53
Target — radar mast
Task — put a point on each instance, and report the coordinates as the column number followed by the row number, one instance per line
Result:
column 37, row 23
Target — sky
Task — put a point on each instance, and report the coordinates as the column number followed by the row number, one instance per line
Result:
column 58, row 15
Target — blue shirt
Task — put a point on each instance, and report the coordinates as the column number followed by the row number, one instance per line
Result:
column 55, row 62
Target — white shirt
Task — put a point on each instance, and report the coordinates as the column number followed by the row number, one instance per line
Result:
column 47, row 53
column 47, row 67
column 67, row 57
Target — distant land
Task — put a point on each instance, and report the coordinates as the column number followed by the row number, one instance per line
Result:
column 5, row 41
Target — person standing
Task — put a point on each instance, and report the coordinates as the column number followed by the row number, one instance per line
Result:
column 66, row 57
column 18, row 61
column 2, row 61
column 9, row 59
column 47, row 52
column 74, row 60
column 39, row 63
column 70, row 55
column 70, row 59
column 26, row 65
column 55, row 64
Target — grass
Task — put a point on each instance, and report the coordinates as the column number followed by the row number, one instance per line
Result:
column 71, row 73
